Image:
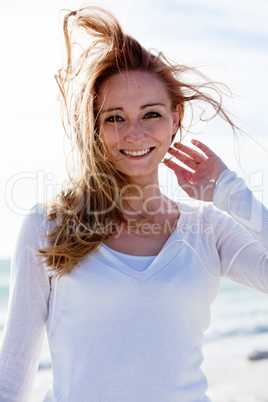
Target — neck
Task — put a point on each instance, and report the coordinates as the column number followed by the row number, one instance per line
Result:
column 145, row 201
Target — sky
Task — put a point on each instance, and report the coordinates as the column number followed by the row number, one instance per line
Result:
column 227, row 39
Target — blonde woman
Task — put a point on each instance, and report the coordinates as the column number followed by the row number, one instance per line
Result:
column 122, row 277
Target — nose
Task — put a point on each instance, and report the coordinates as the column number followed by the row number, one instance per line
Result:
column 135, row 133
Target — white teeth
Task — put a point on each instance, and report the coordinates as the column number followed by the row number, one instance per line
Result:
column 137, row 153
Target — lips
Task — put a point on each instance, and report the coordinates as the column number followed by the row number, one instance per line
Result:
column 136, row 153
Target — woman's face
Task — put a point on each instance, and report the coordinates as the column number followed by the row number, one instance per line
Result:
column 136, row 123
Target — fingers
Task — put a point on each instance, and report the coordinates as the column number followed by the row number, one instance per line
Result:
column 192, row 153
column 205, row 167
column 187, row 155
column 191, row 163
column 207, row 151
column 183, row 175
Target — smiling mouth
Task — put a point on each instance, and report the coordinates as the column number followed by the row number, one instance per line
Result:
column 136, row 153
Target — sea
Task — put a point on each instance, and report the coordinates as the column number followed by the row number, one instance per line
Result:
column 239, row 323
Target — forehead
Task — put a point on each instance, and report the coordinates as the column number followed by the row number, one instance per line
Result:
column 133, row 86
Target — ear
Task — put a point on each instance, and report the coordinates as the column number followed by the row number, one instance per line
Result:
column 176, row 118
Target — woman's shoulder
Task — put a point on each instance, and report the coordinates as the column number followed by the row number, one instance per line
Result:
column 199, row 210
column 202, row 213
column 35, row 225
column 36, row 217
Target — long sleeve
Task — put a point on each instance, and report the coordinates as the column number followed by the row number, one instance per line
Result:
column 242, row 241
column 27, row 313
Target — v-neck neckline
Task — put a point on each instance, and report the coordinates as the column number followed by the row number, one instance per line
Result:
column 165, row 255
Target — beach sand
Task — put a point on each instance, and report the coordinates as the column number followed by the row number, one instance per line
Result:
column 232, row 377
column 244, row 381
column 42, row 383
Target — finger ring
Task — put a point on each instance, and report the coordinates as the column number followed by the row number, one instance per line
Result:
column 194, row 166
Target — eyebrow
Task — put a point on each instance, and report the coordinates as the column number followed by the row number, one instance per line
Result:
column 113, row 109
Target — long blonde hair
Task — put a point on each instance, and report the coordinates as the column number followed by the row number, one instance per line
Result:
column 87, row 210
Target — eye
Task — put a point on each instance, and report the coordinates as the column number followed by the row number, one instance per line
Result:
column 114, row 119
column 152, row 115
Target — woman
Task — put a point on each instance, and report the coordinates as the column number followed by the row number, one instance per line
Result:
column 121, row 276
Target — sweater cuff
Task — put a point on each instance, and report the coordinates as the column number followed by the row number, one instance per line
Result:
column 223, row 189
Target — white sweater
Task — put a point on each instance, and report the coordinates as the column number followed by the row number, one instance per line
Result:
column 119, row 334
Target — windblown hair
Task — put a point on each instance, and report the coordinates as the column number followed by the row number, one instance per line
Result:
column 86, row 211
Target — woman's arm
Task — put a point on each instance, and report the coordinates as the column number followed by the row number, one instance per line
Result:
column 242, row 242
column 27, row 313
column 231, row 195
column 211, row 180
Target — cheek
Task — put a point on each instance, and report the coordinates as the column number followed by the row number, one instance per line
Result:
column 110, row 141
column 162, row 131
column 109, row 136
